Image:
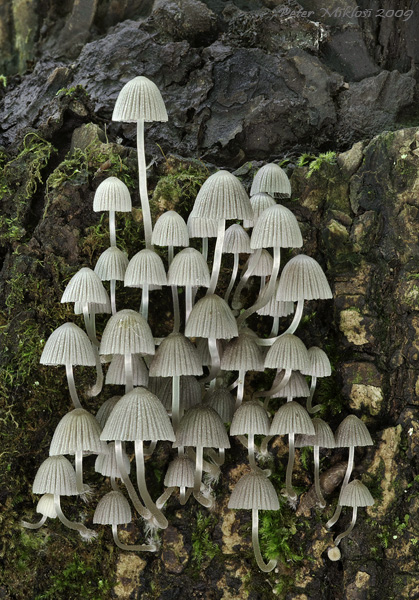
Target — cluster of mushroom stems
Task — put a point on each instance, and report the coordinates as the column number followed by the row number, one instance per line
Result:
column 166, row 395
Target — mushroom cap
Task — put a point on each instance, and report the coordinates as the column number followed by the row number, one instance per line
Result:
column 275, row 308
column 127, row 332
column 259, row 202
column 112, row 194
column 254, row 491
column 85, row 286
column 250, row 418
column 295, row 388
column 170, row 230
column 236, row 240
column 189, row 267
column 105, row 410
column 323, row 437
column 116, row 371
column 273, row 180
column 242, row 354
column 190, row 391
column 356, row 494
column 176, row 355
column 334, row 553
column 93, row 308
column 291, row 418
column 78, row 431
column 46, row 506
column 180, row 473
column 287, row 352
column 261, row 266
column 68, row 345
column 112, row 264
column 106, row 464
column 56, row 475
column 140, row 98
column 222, row 196
column 139, row 415
column 221, row 401
column 276, row 227
column 145, row 267
column 201, row 426
column 318, row 363
column 211, row 317
column 303, row 279
column 112, row 509
column 352, row 432
column 199, row 227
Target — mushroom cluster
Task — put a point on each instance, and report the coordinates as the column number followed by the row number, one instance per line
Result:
column 186, row 387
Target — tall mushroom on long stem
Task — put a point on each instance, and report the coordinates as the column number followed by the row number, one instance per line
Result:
column 111, row 266
column 112, row 195
column 189, row 270
column 260, row 264
column 139, row 101
column 145, row 269
column 236, row 242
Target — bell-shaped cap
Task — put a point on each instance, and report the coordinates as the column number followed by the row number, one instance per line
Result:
column 112, row 264
column 275, row 308
column 106, row 464
column 291, row 418
column 140, row 98
column 176, row 355
column 242, row 354
column 112, row 509
column 145, row 267
column 273, row 180
column 85, row 286
column 127, row 332
column 78, row 431
column 211, row 317
column 295, row 388
column 189, row 267
column 250, row 418
column 105, row 410
column 170, row 230
column 112, row 194
column 254, row 491
column 276, row 227
column 190, row 391
column 180, row 473
column 261, row 266
column 352, row 432
column 199, row 227
column 236, row 240
column 222, row 196
column 222, row 402
column 303, row 279
column 356, row 494
column 56, row 475
column 139, row 415
column 259, row 202
column 68, row 345
column 201, row 426
column 323, row 437
column 46, row 506
column 287, row 352
column 116, row 371
column 318, row 363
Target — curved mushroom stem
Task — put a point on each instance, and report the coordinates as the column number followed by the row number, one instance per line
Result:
column 144, row 301
column 348, row 531
column 188, row 302
column 297, row 317
column 288, row 485
column 266, row 568
column 215, row 362
column 338, row 509
column 233, row 277
column 89, row 323
column 78, row 459
column 112, row 227
column 184, row 495
column 149, row 451
column 128, row 370
column 175, row 402
column 251, row 451
column 113, row 295
column 274, row 390
column 264, row 444
column 144, row 512
column 72, row 386
column 236, row 304
column 275, row 327
column 142, row 486
column 114, row 485
column 161, row 500
column 219, row 458
column 213, row 470
column 205, row 248
column 262, row 282
column 85, row 533
column 142, row 180
column 310, row 408
column 137, row 547
column 34, row 525
column 322, row 502
column 240, row 388
column 217, row 256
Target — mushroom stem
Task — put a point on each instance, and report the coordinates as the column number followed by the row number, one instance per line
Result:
column 234, row 384
column 274, row 390
column 129, row 385
column 188, row 302
column 144, row 512
column 310, row 408
column 72, row 386
column 112, row 227
column 205, row 248
column 322, row 502
column 78, row 459
column 142, row 180
column 219, row 458
column 240, row 388
column 144, row 301
column 288, row 485
column 266, row 568
column 89, row 322
column 137, row 547
column 262, row 282
column 184, row 495
column 264, row 444
column 161, row 500
column 149, row 451
column 275, row 327
column 236, row 304
column 233, row 277
column 113, row 295
column 213, row 470
column 338, row 509
column 251, row 450
column 215, row 361
column 351, row 526
column 114, row 485
column 198, row 469
column 217, row 256
column 175, row 402
column 34, row 525
column 85, row 533
column 176, row 311
column 142, row 486
column 297, row 317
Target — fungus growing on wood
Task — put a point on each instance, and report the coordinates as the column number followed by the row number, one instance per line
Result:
column 272, row 180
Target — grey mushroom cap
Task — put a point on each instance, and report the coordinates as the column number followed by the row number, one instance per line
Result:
column 106, row 464
column 287, row 352
column 93, row 308
column 127, row 332
column 112, row 264
column 223, row 402
column 303, row 279
column 189, row 267
column 352, row 432
column 254, row 491
column 273, row 180
column 356, row 494
column 261, row 266
column 190, row 391
column 291, row 418
column 112, row 194
column 145, row 267
column 85, row 286
column 236, row 240
column 323, row 437
column 211, row 317
column 175, row 356
column 68, row 345
column 275, row 308
column 140, row 98
column 276, row 227
column 112, row 509
column 250, row 418
column 116, row 371
column 170, row 230
column 46, row 506
column 295, row 388
column 318, row 363
column 180, row 473
column 242, row 353
column 222, row 196
column 78, row 431
column 105, row 410
column 259, row 202
column 201, row 426
column 56, row 475
column 200, row 227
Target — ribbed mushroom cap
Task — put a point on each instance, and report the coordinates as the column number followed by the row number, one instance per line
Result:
column 116, row 371
column 201, row 426
column 176, row 355
column 112, row 264
column 276, row 227
column 106, row 464
column 250, row 418
column 180, row 473
column 303, row 279
column 68, row 345
column 127, row 332
column 318, row 363
column 145, row 267
column 189, row 267
column 291, row 418
column 190, row 391
column 222, row 196
column 323, row 437
column 140, row 98
column 46, row 506
column 112, row 194
column 272, row 180
column 352, row 432
column 242, row 353
column 287, row 352
column 211, row 317
column 223, row 402
column 236, row 240
column 356, row 494
column 295, row 388
column 93, row 308
column 170, row 230
column 112, row 509
column 77, row 431
column 261, row 266
column 56, row 475
column 85, row 286
column 254, row 491
column 275, row 308
column 259, row 202
column 199, row 227
column 139, row 415
column 105, row 410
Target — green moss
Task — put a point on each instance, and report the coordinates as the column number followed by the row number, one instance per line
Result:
column 277, row 533
column 203, row 548
column 73, row 92
column 326, row 158
column 35, row 154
